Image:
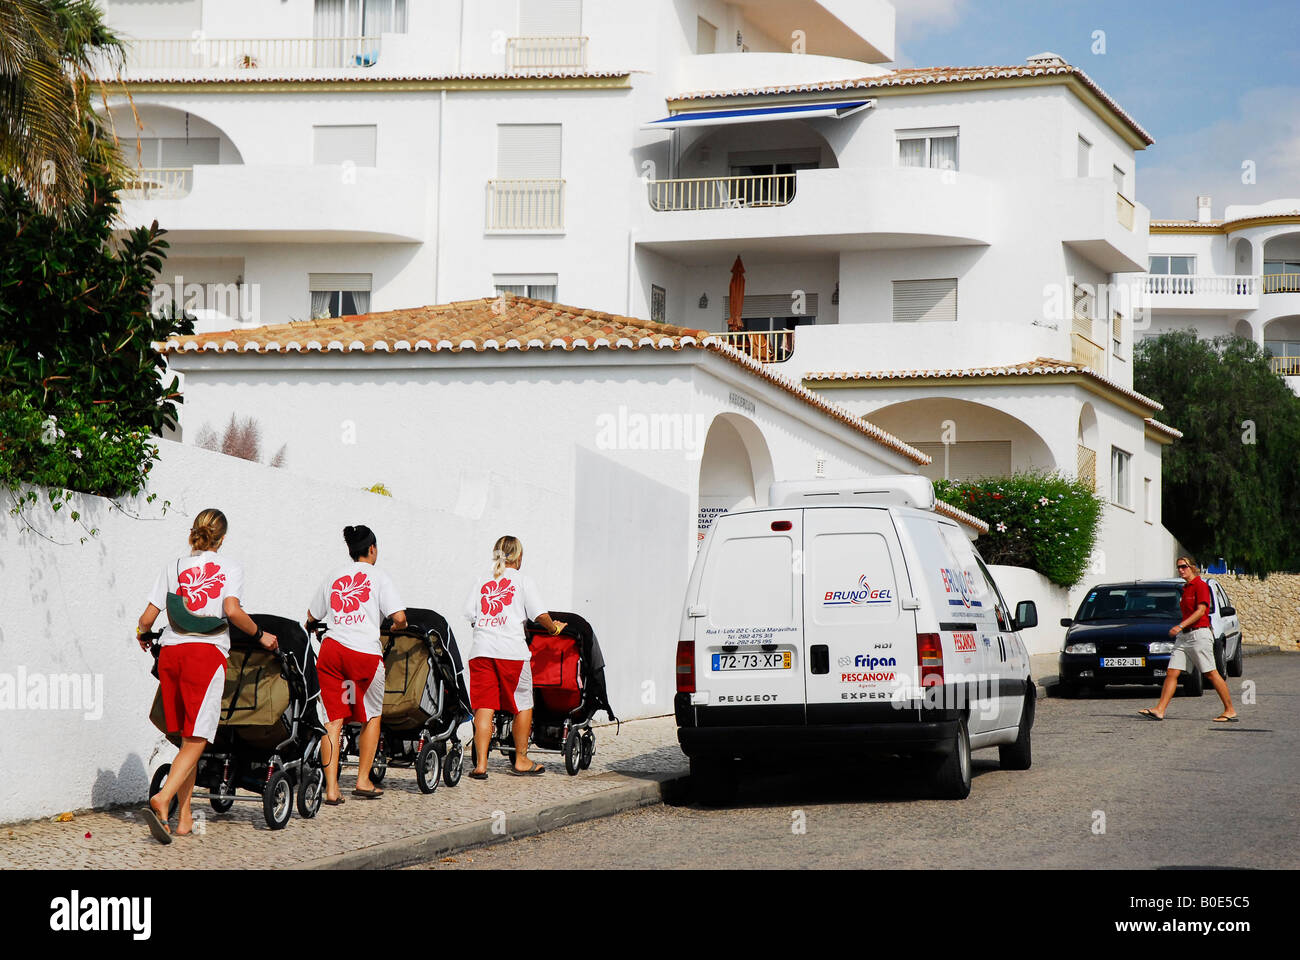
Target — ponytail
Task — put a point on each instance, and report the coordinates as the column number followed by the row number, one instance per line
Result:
column 208, row 530
column 506, row 550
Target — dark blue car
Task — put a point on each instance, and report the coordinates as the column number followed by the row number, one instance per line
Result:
column 1120, row 634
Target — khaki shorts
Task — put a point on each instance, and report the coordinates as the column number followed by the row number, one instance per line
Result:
column 1195, row 646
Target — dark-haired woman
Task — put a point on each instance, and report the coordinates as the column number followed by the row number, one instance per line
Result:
column 204, row 591
column 353, row 602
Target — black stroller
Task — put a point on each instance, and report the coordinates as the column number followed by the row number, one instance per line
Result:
column 568, row 688
column 425, row 701
column 269, row 736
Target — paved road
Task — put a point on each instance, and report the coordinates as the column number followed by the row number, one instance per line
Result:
column 1174, row 794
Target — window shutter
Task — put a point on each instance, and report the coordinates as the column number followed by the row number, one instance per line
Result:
column 1083, row 311
column 771, row 305
column 925, row 300
column 155, row 18
column 179, row 152
column 550, row 18
column 339, row 281
column 340, row 144
column 528, row 151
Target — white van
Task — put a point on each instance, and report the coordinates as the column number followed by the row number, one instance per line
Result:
column 848, row 617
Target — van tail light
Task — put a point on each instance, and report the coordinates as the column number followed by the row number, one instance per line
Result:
column 685, row 666
column 929, row 655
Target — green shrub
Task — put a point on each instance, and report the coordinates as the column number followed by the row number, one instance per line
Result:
column 1044, row 521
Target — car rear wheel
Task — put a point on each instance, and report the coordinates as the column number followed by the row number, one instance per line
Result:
column 1017, row 756
column 951, row 775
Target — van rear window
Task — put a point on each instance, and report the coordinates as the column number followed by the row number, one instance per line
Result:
column 751, row 583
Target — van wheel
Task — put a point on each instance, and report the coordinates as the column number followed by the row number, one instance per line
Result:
column 1017, row 756
column 1194, row 685
column 951, row 775
column 714, row 780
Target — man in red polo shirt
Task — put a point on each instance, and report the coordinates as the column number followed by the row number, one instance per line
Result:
column 1194, row 644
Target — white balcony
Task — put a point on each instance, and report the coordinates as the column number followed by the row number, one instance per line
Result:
column 529, row 55
column 264, row 204
column 1100, row 224
column 250, row 54
column 812, row 212
column 1199, row 293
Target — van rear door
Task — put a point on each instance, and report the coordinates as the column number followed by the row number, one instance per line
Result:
column 861, row 643
column 748, row 616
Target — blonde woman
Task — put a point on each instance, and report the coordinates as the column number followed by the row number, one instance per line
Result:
column 500, row 673
column 200, row 593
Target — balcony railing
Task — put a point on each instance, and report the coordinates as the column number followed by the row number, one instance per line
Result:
column 525, row 205
column 1285, row 366
column 546, row 54
column 1162, row 283
column 722, row 193
column 775, row 346
column 1086, row 353
column 1124, row 210
column 1282, row 283
column 203, row 53
column 159, row 183
column 1087, row 467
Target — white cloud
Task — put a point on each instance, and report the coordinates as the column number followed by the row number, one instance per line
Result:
column 1264, row 129
column 915, row 18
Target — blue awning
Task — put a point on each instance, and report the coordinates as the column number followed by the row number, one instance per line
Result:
column 794, row 111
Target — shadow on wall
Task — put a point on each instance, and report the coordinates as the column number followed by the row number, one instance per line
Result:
column 130, row 784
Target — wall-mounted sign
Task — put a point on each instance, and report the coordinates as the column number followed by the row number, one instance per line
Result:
column 743, row 402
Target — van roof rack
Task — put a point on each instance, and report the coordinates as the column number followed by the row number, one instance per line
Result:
column 903, row 490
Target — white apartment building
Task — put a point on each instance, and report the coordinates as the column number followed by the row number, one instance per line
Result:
column 1238, row 275
column 934, row 249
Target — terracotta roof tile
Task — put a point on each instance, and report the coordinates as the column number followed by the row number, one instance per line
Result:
column 507, row 323
column 920, row 76
column 183, row 76
column 1040, row 366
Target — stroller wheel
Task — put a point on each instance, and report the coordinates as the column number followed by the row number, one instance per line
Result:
column 428, row 767
column 454, row 765
column 311, row 790
column 159, row 778
column 378, row 769
column 225, row 799
column 587, row 744
column 572, row 753
column 277, row 800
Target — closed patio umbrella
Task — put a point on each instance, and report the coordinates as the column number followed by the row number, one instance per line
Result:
column 737, row 292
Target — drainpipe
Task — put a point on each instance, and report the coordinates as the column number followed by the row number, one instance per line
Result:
column 437, row 222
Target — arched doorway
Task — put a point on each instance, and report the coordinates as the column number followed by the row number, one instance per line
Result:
column 735, row 469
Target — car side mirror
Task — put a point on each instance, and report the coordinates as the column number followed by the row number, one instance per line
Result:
column 1228, row 611
column 1066, row 621
column 1026, row 615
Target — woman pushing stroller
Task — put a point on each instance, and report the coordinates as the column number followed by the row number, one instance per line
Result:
column 353, row 602
column 500, row 672
column 200, row 593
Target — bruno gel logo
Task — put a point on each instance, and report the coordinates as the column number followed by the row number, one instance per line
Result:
column 865, row 593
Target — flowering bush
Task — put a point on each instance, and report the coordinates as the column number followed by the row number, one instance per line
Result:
column 1044, row 521
column 78, row 449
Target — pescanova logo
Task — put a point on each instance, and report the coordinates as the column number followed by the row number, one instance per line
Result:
column 865, row 593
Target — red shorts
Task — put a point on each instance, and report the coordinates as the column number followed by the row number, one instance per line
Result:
column 351, row 683
column 192, row 678
column 500, row 684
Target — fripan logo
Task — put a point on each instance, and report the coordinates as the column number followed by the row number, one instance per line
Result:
column 75, row 913
column 53, row 691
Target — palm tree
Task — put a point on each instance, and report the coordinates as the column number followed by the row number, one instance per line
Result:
column 50, row 51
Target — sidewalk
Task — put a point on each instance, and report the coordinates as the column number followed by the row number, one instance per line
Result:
column 628, row 770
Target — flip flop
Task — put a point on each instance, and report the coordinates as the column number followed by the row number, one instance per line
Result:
column 333, row 803
column 478, row 776
column 537, row 769
column 1225, row 719
column 368, row 794
column 1149, row 714
column 156, row 827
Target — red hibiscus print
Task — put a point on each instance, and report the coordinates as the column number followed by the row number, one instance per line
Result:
column 349, row 593
column 497, row 595
column 197, row 587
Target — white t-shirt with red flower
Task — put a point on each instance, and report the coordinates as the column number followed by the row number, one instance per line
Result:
column 203, row 582
column 353, row 601
column 498, row 607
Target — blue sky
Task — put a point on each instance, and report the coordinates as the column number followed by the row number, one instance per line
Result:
column 1216, row 83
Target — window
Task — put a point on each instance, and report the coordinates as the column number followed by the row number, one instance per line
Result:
column 925, row 300
column 765, row 312
column 1281, row 276
column 344, row 144
column 936, row 149
column 706, row 36
column 1148, row 505
column 1118, row 176
column 339, row 294
column 179, row 18
column 550, row 18
column 174, row 152
column 1121, row 481
column 1173, row 266
column 658, row 303
column 528, row 151
column 1084, row 310
column 1116, row 333
column 359, row 18
column 538, row 286
column 528, row 193
column 1085, row 157
column 1283, row 348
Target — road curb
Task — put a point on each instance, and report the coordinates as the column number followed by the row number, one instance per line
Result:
column 1254, row 649
column 440, row 843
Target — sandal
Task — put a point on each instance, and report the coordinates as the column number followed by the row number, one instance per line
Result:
column 333, row 803
column 1149, row 714
column 372, row 794
column 1224, row 718
column 473, row 775
column 156, row 826
column 537, row 769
